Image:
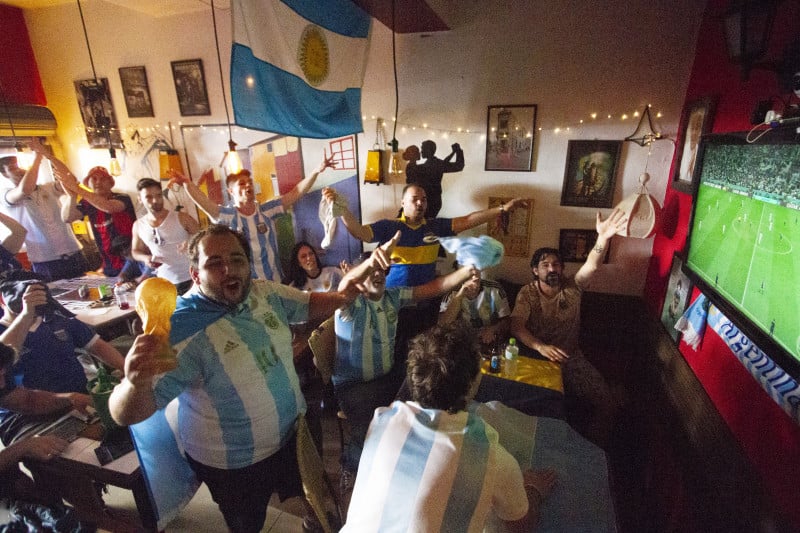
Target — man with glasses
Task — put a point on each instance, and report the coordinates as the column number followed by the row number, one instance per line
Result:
column 160, row 236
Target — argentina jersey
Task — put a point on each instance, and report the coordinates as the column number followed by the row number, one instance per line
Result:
column 259, row 229
column 424, row 470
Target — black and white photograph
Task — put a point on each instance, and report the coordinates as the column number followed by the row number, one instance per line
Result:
column 136, row 92
column 97, row 112
column 190, row 87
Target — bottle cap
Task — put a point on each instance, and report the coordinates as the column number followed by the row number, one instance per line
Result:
column 512, row 340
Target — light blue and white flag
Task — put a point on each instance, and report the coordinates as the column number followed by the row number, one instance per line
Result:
column 693, row 322
column 297, row 66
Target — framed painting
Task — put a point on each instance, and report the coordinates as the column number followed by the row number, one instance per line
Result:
column 575, row 245
column 696, row 121
column 679, row 288
column 591, row 173
column 97, row 111
column 190, row 87
column 515, row 231
column 510, row 134
column 136, row 92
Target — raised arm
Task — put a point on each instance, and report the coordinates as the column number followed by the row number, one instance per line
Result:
column 133, row 399
column 379, row 259
column 476, row 218
column 443, row 284
column 28, row 182
column 458, row 164
column 304, row 185
column 201, row 200
column 605, row 231
column 17, row 331
column 17, row 232
column 360, row 231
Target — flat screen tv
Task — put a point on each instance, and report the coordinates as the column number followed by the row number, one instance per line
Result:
column 743, row 249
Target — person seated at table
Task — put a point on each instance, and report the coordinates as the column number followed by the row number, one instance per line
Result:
column 133, row 272
column 546, row 318
column 483, row 304
column 364, row 374
column 11, row 242
column 306, row 273
column 256, row 220
column 46, row 338
column 432, row 464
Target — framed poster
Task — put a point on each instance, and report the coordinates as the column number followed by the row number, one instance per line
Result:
column 574, row 245
column 97, row 111
column 696, row 121
column 510, row 132
column 591, row 173
column 190, row 87
column 679, row 288
column 136, row 91
column 515, row 234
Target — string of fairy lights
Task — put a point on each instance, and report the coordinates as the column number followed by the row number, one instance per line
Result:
column 590, row 118
column 133, row 134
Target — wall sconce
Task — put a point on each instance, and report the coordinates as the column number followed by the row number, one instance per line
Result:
column 748, row 28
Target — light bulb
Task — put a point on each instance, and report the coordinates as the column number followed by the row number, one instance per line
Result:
column 396, row 164
column 233, row 163
column 114, row 167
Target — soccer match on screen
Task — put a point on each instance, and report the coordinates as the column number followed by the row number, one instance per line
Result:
column 745, row 234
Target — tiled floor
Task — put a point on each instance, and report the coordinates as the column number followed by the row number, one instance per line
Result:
column 202, row 514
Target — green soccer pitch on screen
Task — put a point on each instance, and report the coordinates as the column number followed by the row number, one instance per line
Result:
column 744, row 238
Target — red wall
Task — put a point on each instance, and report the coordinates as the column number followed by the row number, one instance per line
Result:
column 767, row 435
column 18, row 72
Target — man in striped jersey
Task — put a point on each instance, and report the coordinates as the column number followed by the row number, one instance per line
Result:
column 483, row 304
column 432, row 464
column 365, row 375
column 239, row 393
column 255, row 220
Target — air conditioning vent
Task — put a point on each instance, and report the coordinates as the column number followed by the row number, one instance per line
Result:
column 28, row 121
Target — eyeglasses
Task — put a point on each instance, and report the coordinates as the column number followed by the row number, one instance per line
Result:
column 157, row 238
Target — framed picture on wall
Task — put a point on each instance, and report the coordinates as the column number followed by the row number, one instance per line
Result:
column 97, row 111
column 510, row 133
column 136, row 92
column 591, row 173
column 696, row 121
column 574, row 245
column 679, row 288
column 515, row 230
column 190, row 87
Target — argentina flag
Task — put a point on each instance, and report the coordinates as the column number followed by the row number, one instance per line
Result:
column 297, row 66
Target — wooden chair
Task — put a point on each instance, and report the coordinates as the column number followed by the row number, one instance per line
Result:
column 317, row 488
column 323, row 346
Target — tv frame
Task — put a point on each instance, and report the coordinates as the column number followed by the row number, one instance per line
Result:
column 777, row 352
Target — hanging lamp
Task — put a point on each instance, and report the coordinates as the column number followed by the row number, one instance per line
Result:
column 230, row 160
column 396, row 167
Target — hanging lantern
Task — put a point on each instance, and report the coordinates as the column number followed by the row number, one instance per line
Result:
column 376, row 168
column 643, row 212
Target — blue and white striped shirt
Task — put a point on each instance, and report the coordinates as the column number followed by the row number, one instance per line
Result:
column 365, row 335
column 429, row 470
column 259, row 228
column 239, row 394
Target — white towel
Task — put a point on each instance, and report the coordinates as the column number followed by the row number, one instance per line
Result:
column 329, row 211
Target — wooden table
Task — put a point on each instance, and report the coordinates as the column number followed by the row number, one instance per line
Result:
column 79, row 460
column 105, row 317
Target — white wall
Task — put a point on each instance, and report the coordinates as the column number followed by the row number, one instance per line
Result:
column 571, row 58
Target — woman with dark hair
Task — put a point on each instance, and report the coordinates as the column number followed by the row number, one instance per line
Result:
column 305, row 272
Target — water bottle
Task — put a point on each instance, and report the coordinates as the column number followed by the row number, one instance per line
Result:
column 511, row 358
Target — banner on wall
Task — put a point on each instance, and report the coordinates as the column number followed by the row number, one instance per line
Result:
column 780, row 386
column 297, row 66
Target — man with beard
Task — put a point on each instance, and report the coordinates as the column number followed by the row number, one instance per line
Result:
column 546, row 318
column 238, row 391
column 159, row 237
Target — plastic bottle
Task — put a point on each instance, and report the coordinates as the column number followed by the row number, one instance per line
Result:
column 123, row 297
column 511, row 358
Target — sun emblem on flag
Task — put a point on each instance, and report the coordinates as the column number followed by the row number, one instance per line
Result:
column 313, row 55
